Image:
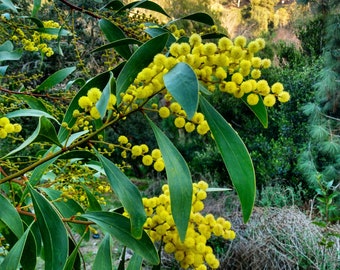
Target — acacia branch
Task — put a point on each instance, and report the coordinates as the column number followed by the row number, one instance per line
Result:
column 80, row 9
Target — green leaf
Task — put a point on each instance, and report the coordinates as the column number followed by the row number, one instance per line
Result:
column 30, row 113
column 10, row 56
column 73, row 260
column 6, row 46
column 179, row 180
column 12, row 259
column 36, row 7
column 103, row 260
column 8, row 4
column 67, row 208
column 3, row 70
column 100, row 81
column 182, row 83
column 235, row 156
column 45, row 132
column 120, row 42
column 114, row 5
column 127, row 193
column 156, row 30
column 94, row 205
column 149, row 5
column 78, row 81
column 104, row 98
column 39, row 171
column 53, row 232
column 81, row 154
column 119, row 227
column 135, row 262
column 139, row 60
column 29, row 261
column 259, row 110
column 34, row 103
column 55, row 78
column 197, row 17
column 114, row 33
column 9, row 215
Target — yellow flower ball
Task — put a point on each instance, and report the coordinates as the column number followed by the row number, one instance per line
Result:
column 209, row 48
column 245, row 64
column 156, row 154
column 246, row 87
column 252, row 99
column 112, row 102
column 237, row 78
column 189, row 127
column 277, row 88
column 220, row 73
column 147, row 160
column 253, row 47
column 9, row 128
column 95, row 113
column 136, row 150
column 261, row 43
column 240, row 41
column 169, row 248
column 3, row 133
column 197, row 118
column 85, row 103
column 175, row 107
column 164, row 112
column 263, row 87
column 184, row 49
column 17, row 128
column 179, row 122
column 195, row 40
column 94, row 94
column 266, row 63
column 123, row 139
column 283, row 97
column 203, row 128
column 256, row 62
column 236, row 52
column 255, row 73
column 174, row 49
column 225, row 44
column 269, row 100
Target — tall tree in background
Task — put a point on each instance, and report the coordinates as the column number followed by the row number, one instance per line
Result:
column 320, row 162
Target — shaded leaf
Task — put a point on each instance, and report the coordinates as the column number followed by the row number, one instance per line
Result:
column 119, row 227
column 53, row 232
column 6, row 46
column 120, row 42
column 114, row 33
column 103, row 260
column 179, row 180
column 115, row 5
column 55, row 78
column 10, row 56
column 235, row 156
column 9, row 215
column 34, row 103
column 135, row 262
column 127, row 193
column 12, row 259
column 139, row 60
column 182, row 83
column 259, row 110
column 8, row 4
column 149, row 5
column 200, row 17
column 94, row 205
column 156, row 30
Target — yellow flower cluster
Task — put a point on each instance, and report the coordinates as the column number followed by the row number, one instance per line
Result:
column 197, row 122
column 154, row 158
column 88, row 103
column 35, row 43
column 194, row 251
column 6, row 127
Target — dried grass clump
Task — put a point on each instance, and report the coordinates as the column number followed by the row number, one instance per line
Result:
column 278, row 238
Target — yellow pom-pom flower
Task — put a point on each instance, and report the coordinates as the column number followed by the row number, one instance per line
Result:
column 277, row 88
column 225, row 44
column 283, row 97
column 179, row 122
column 94, row 94
column 85, row 103
column 95, row 113
column 164, row 112
column 123, row 139
column 240, row 41
column 252, row 99
column 159, row 165
column 195, row 40
column 269, row 100
column 237, row 78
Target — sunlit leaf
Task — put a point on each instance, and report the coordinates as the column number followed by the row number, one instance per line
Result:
column 103, row 260
column 179, row 180
column 36, row 7
column 119, row 228
column 127, row 193
column 139, row 60
column 182, row 83
column 9, row 215
column 53, row 232
column 235, row 156
column 30, row 113
column 45, row 132
column 149, row 5
column 197, row 17
column 55, row 78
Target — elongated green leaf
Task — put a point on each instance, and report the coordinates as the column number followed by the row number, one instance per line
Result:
column 10, row 56
column 235, row 156
column 55, row 78
column 73, row 261
column 36, row 7
column 199, row 17
column 66, row 208
column 114, row 33
column 119, row 227
column 121, row 42
column 3, row 70
column 149, row 5
column 179, row 180
column 30, row 113
column 29, row 260
column 156, row 30
column 127, row 193
column 12, row 259
column 10, row 217
column 39, row 171
column 93, row 203
column 259, row 110
column 81, row 154
column 53, row 232
column 114, row 5
column 100, row 81
column 103, row 258
column 34, row 103
column 182, row 83
column 104, row 98
column 9, row 5
column 135, row 262
column 139, row 60
column 45, row 132
column 6, row 46
column 78, row 81
column 54, row 31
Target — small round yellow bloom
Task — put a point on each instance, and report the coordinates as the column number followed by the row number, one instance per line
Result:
column 94, row 94
column 123, row 139
column 255, row 73
column 136, row 150
column 246, row 87
column 175, row 107
column 85, row 103
column 237, row 78
column 225, row 44
column 252, row 99
column 9, row 128
column 179, row 122
column 3, row 133
column 269, row 100
column 240, row 41
column 195, row 40
column 189, row 127
column 266, row 63
column 277, row 88
column 220, row 73
column 236, row 52
column 95, row 113
column 256, row 62
column 156, row 154
column 159, row 165
column 147, row 160
column 17, row 128
column 164, row 112
column 112, row 102
column 209, row 48
column 283, row 97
